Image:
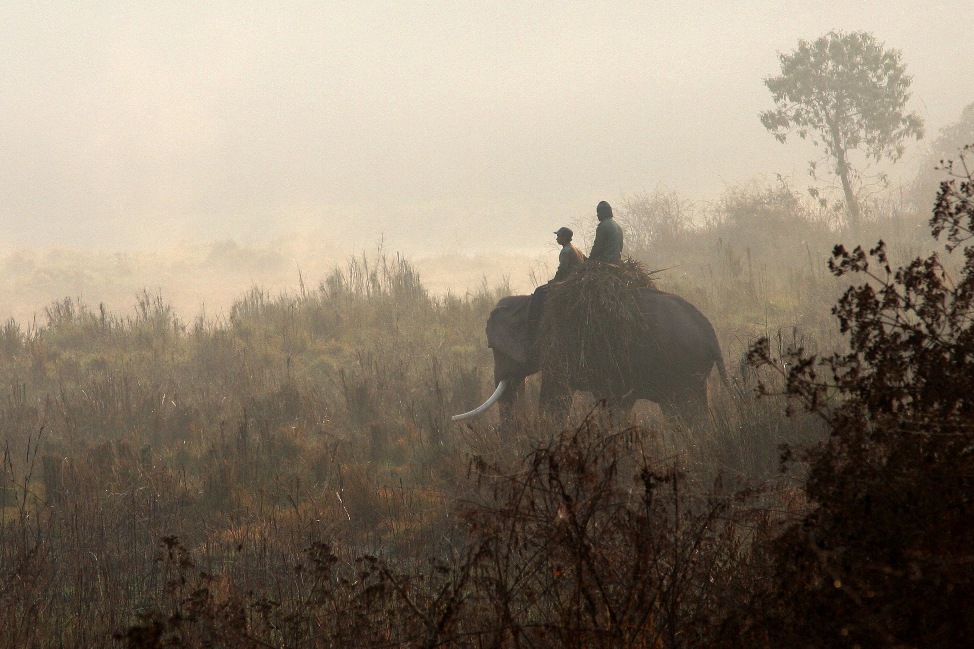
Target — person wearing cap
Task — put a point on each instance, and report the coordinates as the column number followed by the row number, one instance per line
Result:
column 570, row 257
column 608, row 237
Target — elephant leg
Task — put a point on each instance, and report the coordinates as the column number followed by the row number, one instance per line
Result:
column 555, row 400
column 625, row 409
column 688, row 406
column 509, row 401
column 620, row 408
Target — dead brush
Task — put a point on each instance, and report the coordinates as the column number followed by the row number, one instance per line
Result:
column 585, row 542
column 330, row 602
column 591, row 543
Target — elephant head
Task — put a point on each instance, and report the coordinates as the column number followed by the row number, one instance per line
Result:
column 510, row 339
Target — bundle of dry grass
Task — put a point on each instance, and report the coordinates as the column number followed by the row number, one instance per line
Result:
column 590, row 320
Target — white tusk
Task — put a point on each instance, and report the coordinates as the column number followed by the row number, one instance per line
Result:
column 487, row 404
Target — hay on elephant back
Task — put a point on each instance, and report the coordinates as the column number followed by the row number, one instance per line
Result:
column 590, row 321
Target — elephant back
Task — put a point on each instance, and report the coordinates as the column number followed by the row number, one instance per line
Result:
column 678, row 329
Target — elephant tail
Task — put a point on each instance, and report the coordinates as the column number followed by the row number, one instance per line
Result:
column 722, row 370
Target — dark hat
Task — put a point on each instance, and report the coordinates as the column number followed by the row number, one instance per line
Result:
column 565, row 231
column 604, row 210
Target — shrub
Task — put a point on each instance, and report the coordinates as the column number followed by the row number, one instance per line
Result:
column 593, row 544
column 885, row 558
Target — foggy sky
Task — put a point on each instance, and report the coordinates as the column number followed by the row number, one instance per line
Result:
column 436, row 125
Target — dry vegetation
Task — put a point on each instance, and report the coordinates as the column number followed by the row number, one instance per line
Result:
column 287, row 475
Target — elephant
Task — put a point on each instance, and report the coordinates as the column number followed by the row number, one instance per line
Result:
column 667, row 362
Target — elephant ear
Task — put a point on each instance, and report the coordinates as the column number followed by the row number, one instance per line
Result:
column 507, row 327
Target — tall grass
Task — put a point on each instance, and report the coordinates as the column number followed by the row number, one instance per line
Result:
column 285, row 474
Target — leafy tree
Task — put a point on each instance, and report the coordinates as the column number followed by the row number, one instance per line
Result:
column 884, row 559
column 847, row 93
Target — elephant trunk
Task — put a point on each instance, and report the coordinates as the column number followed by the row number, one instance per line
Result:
column 487, row 404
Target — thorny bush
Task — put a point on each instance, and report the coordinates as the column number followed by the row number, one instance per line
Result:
column 593, row 545
column 584, row 544
column 885, row 559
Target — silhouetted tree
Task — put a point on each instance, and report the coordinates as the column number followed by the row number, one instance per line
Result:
column 846, row 92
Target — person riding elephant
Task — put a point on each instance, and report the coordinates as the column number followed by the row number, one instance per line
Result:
column 570, row 257
column 608, row 237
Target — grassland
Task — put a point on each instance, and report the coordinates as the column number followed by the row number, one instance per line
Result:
column 286, row 473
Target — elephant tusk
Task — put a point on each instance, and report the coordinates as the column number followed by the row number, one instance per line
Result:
column 487, row 404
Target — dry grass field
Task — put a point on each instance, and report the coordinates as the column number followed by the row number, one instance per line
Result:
column 283, row 471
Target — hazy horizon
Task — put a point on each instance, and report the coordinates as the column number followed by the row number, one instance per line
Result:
column 434, row 129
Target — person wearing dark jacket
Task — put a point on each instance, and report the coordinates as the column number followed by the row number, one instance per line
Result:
column 570, row 257
column 608, row 237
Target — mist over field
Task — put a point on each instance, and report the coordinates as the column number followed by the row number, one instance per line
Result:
column 205, row 278
column 250, row 254
column 201, row 148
